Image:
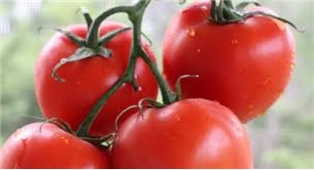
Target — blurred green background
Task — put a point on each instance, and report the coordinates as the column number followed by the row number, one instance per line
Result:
column 283, row 138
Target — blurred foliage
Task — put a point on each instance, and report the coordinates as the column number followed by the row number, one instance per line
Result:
column 283, row 138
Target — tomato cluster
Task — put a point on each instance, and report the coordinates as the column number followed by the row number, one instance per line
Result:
column 97, row 85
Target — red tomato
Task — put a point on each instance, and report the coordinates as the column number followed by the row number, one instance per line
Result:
column 87, row 80
column 192, row 133
column 45, row 145
column 245, row 66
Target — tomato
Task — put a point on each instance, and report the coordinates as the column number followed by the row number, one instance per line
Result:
column 192, row 133
column 245, row 66
column 87, row 80
column 45, row 145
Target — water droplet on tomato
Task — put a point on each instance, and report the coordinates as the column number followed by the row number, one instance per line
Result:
column 177, row 118
column 234, row 42
column 293, row 54
column 292, row 66
column 199, row 51
column 64, row 140
column 140, row 88
column 204, row 8
column 266, row 81
column 191, row 32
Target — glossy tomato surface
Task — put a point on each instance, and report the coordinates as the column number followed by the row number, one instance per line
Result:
column 45, row 145
column 192, row 133
column 245, row 66
column 87, row 80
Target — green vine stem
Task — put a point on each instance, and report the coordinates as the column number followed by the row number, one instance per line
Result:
column 135, row 14
column 87, row 17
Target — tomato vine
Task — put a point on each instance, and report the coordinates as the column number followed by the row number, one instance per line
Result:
column 135, row 14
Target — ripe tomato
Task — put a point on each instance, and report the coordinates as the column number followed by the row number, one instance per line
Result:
column 45, row 145
column 245, row 66
column 87, row 80
column 192, row 133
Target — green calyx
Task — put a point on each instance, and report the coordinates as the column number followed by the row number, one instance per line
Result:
column 226, row 13
column 86, row 50
column 80, row 54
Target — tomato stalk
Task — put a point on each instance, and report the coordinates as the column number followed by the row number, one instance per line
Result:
column 226, row 13
column 87, row 17
column 135, row 14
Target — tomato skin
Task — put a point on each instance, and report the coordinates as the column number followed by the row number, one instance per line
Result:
column 192, row 133
column 87, row 80
column 45, row 145
column 245, row 66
